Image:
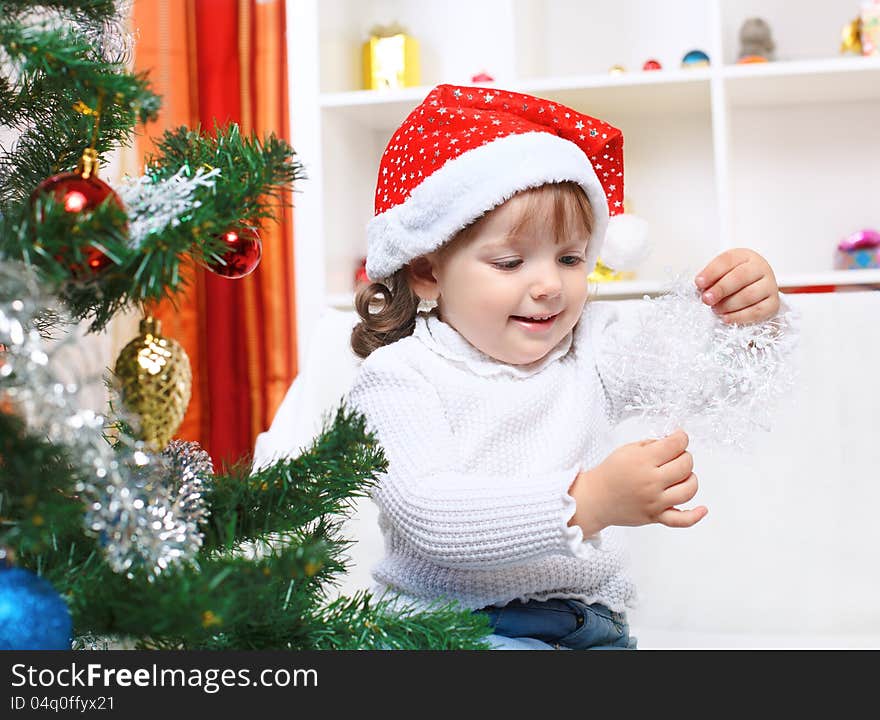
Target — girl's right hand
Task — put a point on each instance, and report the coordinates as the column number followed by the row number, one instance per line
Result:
column 638, row 484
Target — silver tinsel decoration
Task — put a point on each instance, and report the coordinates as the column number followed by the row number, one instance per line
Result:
column 154, row 205
column 143, row 520
column 685, row 368
column 189, row 471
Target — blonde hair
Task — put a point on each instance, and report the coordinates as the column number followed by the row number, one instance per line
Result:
column 564, row 206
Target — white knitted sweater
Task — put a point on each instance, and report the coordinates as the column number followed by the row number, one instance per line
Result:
column 474, row 506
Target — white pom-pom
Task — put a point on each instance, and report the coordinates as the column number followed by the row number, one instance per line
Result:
column 626, row 242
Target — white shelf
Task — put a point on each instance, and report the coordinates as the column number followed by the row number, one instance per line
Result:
column 775, row 83
column 821, row 282
column 831, row 80
column 665, row 91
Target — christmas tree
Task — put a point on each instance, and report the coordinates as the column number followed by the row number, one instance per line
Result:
column 109, row 529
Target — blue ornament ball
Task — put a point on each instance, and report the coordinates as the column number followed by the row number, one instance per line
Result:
column 695, row 59
column 33, row 616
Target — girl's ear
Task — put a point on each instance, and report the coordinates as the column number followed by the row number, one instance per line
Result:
column 421, row 279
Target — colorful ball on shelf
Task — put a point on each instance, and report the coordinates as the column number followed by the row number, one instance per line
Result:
column 81, row 191
column 617, row 69
column 482, row 77
column 242, row 256
column 652, row 65
column 33, row 616
column 695, row 59
column 751, row 59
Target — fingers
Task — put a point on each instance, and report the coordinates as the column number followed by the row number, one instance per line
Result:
column 677, row 470
column 673, row 517
column 746, row 297
column 719, row 267
column 758, row 312
column 668, row 448
column 681, row 492
column 738, row 277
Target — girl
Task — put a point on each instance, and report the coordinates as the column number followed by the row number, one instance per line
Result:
column 494, row 409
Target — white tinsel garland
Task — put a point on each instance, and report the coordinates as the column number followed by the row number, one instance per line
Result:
column 154, row 205
column 685, row 368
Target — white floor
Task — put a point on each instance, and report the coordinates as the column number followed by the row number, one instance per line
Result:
column 654, row 639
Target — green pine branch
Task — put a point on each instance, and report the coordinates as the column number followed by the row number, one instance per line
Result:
column 52, row 71
column 38, row 506
column 339, row 466
column 251, row 186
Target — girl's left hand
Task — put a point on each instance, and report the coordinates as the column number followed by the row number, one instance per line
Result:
column 740, row 286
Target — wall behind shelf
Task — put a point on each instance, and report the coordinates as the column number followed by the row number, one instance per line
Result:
column 820, row 184
column 457, row 38
column 578, row 38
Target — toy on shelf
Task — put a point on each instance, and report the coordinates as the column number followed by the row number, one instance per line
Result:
column 695, row 59
column 482, row 77
column 851, row 38
column 870, row 31
column 756, row 42
column 391, row 59
column 616, row 70
column 858, row 251
column 652, row 64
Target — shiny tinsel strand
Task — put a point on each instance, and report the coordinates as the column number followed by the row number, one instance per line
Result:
column 154, row 205
column 687, row 369
column 189, row 471
column 141, row 518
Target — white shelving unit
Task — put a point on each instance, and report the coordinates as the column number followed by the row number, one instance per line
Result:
column 781, row 157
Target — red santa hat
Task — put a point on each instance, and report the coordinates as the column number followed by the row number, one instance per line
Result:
column 465, row 150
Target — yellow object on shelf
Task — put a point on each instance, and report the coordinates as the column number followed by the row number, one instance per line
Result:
column 391, row 59
column 603, row 273
column 851, row 38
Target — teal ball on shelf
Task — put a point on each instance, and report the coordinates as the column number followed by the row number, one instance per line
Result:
column 33, row 616
column 694, row 59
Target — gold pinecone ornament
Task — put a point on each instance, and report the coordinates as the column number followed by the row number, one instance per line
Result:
column 156, row 380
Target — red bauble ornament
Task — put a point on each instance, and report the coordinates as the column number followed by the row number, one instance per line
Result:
column 652, row 65
column 243, row 255
column 81, row 191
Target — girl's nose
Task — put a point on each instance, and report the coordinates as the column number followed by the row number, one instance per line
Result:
column 547, row 286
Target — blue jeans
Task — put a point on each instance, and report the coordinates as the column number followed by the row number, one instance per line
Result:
column 557, row 624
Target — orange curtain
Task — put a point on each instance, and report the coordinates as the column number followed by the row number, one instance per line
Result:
column 225, row 60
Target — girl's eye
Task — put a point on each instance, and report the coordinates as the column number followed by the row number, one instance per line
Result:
column 573, row 258
column 507, row 264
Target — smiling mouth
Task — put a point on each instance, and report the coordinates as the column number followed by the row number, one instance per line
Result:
column 536, row 319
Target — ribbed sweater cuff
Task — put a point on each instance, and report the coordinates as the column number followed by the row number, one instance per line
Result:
column 573, row 536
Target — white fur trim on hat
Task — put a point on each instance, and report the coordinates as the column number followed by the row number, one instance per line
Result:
column 470, row 185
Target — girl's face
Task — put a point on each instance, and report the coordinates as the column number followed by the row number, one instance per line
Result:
column 493, row 284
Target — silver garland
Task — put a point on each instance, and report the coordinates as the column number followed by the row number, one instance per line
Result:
column 154, row 205
column 688, row 369
column 143, row 516
column 190, row 471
